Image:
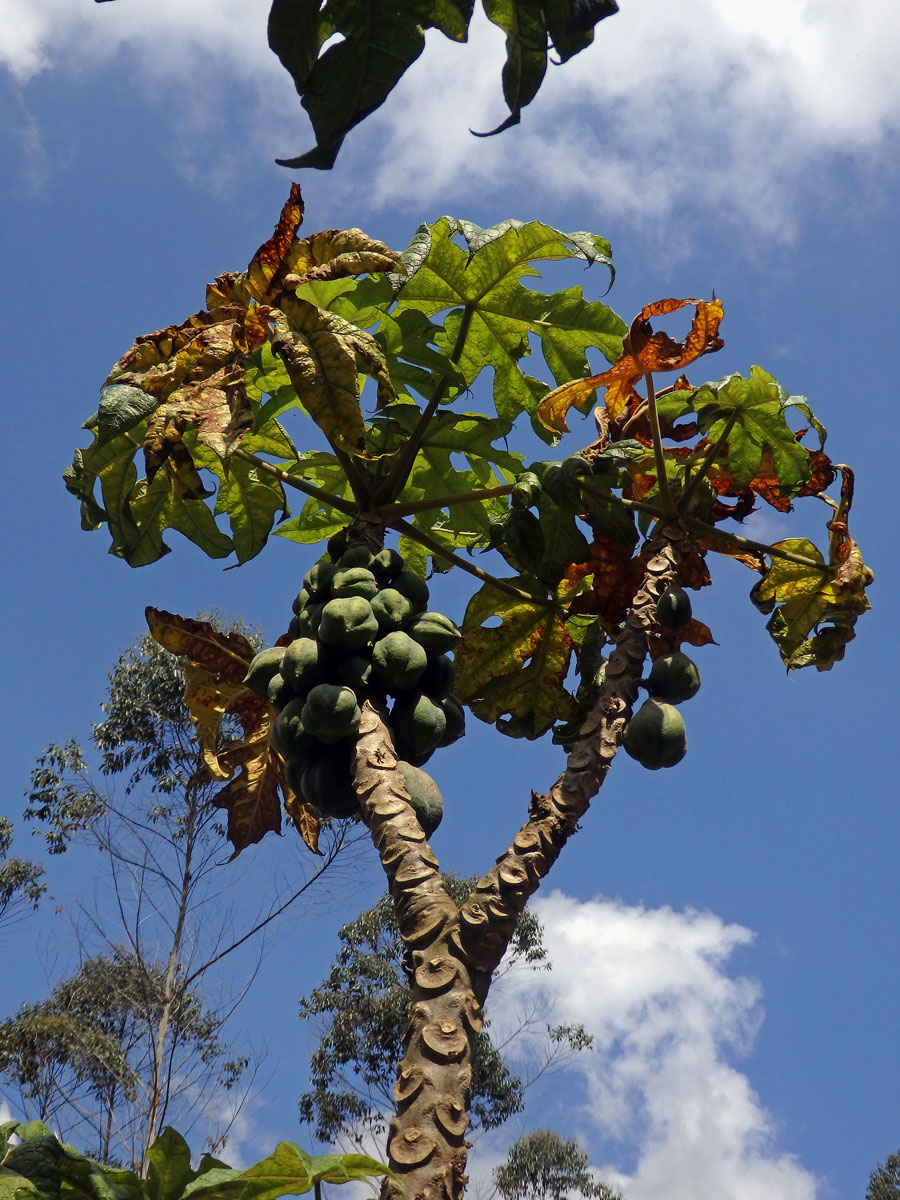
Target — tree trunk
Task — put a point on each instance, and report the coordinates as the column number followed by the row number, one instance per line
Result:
column 454, row 951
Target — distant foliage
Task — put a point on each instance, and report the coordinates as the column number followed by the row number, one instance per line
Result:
column 884, row 1183
column 21, row 880
column 544, row 1166
column 364, row 1003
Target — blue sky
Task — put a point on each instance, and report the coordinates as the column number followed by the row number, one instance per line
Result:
column 739, row 912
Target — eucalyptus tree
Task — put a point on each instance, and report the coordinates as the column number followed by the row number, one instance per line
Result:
column 541, row 1165
column 21, row 879
column 131, row 1039
column 590, row 558
column 361, row 1007
column 884, row 1182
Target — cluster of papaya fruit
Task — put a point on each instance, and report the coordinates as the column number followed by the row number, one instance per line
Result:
column 655, row 735
column 361, row 630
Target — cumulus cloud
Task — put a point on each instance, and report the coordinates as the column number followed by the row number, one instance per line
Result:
column 660, row 1089
column 737, row 111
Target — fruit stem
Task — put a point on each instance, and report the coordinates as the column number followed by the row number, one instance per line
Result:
column 435, row 546
column 712, row 453
column 662, row 479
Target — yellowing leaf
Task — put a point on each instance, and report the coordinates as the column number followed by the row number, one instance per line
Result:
column 518, row 667
column 322, row 354
column 816, row 609
column 643, row 352
column 338, row 253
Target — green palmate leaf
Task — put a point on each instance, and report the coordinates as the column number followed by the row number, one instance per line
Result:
column 519, row 667
column 318, row 519
column 252, row 499
column 752, row 413
column 529, row 26
column 492, row 314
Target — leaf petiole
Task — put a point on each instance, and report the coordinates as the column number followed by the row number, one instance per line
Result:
column 310, row 489
column 435, row 547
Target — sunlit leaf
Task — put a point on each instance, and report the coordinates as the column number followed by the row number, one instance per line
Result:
column 291, row 1171
column 492, row 314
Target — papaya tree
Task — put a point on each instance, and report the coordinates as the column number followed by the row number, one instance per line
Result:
column 194, row 435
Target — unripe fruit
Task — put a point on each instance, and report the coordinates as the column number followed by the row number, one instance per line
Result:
column 655, row 735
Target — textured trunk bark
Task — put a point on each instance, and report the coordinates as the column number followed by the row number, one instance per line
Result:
column 454, row 951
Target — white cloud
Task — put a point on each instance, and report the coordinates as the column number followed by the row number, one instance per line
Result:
column 667, row 1016
column 735, row 110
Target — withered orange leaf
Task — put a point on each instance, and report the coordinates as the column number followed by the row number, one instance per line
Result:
column 306, row 820
column 253, row 796
column 643, row 352
column 269, row 264
column 228, row 654
column 695, row 633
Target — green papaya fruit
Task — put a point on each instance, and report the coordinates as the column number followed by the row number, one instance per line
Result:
column 337, row 545
column 455, row 717
column 398, row 661
column 354, row 671
column 279, row 692
column 303, row 664
column 434, row 631
column 387, row 564
column 655, row 735
column 262, row 667
column 391, row 608
column 438, row 677
column 674, row 678
column 418, row 724
column 413, row 587
column 308, row 620
column 300, row 600
column 525, row 539
column 673, row 608
column 328, row 785
column 357, row 554
column 354, row 581
column 317, row 580
column 289, row 737
column 330, row 713
column 347, row 623
column 424, row 796
column 293, row 628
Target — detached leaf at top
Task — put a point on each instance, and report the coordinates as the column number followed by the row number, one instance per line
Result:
column 344, row 81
